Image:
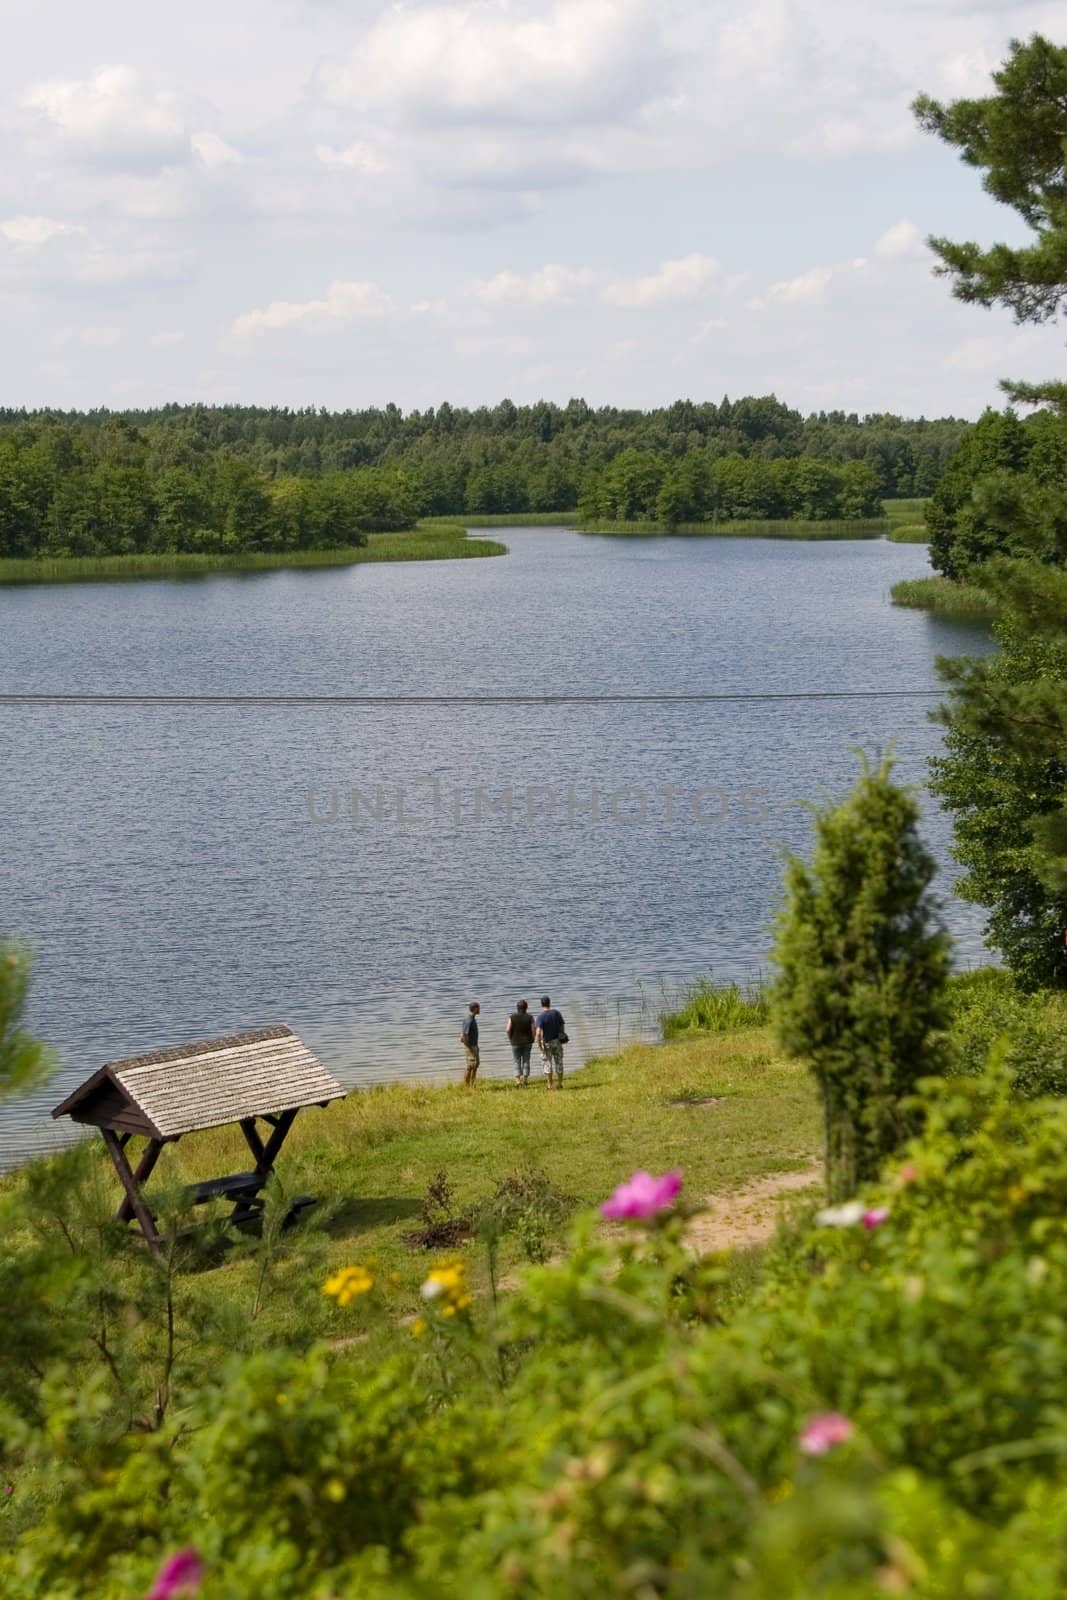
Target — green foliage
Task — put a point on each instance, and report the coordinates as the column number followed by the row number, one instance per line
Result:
column 625, row 1425
column 705, row 486
column 709, row 1007
column 987, row 1010
column 193, row 478
column 1016, row 137
column 437, row 542
column 861, row 964
column 944, row 595
column 24, row 1061
column 1003, row 774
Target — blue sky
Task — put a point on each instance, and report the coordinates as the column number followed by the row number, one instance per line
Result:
column 342, row 203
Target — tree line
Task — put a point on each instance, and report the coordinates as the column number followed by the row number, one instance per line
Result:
column 201, row 478
column 700, row 487
column 67, row 489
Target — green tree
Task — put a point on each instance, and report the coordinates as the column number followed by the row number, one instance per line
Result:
column 861, row 967
column 1018, row 138
column 959, row 536
column 1003, row 775
column 24, row 1061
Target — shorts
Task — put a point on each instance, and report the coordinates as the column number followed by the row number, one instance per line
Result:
column 552, row 1058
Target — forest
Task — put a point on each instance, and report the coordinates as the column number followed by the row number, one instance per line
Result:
column 199, row 478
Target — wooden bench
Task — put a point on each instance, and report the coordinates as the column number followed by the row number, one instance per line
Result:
column 242, row 1185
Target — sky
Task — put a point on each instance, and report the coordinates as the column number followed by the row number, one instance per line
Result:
column 344, row 203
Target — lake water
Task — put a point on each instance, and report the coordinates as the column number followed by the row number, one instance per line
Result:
column 361, row 871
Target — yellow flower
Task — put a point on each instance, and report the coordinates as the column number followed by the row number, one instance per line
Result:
column 449, row 1285
column 334, row 1490
column 281, row 1399
column 418, row 1327
column 348, row 1283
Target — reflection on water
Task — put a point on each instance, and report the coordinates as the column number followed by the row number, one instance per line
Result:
column 361, row 873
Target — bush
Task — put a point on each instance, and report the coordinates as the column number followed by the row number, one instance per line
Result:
column 987, row 1007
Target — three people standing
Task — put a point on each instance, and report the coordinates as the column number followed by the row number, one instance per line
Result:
column 547, row 1030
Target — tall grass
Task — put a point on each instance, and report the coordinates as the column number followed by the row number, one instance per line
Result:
column 505, row 519
column 709, row 1007
column 945, row 596
column 790, row 528
column 907, row 521
column 442, row 542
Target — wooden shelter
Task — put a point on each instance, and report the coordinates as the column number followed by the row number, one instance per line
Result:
column 266, row 1075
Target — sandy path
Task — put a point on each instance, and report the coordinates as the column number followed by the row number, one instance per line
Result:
column 747, row 1216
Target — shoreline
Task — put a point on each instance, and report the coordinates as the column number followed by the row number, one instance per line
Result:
column 445, row 541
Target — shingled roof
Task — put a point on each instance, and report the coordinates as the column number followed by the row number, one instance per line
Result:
column 194, row 1086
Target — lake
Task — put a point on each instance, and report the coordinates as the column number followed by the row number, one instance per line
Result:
column 361, row 871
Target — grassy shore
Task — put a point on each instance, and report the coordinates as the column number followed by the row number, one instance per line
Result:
column 943, row 595
column 507, row 519
column 725, row 1109
column 907, row 521
column 437, row 541
column 791, row 528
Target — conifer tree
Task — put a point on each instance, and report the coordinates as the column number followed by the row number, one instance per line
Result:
column 24, row 1061
column 862, row 961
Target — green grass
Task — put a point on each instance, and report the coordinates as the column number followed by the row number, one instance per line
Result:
column 793, row 528
column 368, row 1160
column 708, row 1007
column 907, row 521
column 436, row 542
column 944, row 596
column 506, row 519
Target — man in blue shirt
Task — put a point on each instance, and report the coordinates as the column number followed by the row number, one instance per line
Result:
column 469, row 1037
column 551, row 1035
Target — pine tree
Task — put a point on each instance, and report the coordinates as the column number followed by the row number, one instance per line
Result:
column 862, row 961
column 23, row 1061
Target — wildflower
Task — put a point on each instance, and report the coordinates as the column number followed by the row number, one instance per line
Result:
column 281, row 1399
column 875, row 1217
column 180, row 1574
column 822, row 1432
column 448, row 1284
column 347, row 1284
column 334, row 1489
column 419, row 1326
column 9, row 1488
column 845, row 1216
column 643, row 1196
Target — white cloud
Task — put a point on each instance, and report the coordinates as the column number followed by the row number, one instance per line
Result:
column 34, row 231
column 550, row 283
column 214, row 151
column 342, row 302
column 682, row 279
column 112, row 117
column 810, row 285
column 902, row 239
column 490, row 62
column 358, row 156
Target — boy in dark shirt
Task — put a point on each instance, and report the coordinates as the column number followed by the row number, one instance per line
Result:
column 469, row 1037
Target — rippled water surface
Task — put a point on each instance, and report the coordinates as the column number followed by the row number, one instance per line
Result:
column 361, row 872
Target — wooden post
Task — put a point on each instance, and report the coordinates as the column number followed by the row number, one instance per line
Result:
column 133, row 1195
column 149, row 1156
column 277, row 1139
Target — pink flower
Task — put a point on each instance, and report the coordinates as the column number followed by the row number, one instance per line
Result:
column 643, row 1196
column 821, row 1433
column 180, row 1574
column 875, row 1217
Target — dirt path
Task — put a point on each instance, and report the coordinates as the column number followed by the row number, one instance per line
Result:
column 747, row 1216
